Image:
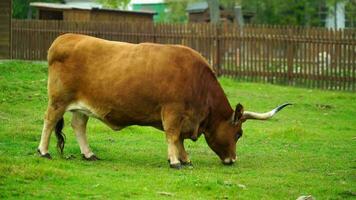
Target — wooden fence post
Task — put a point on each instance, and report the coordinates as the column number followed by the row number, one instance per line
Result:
column 217, row 51
column 290, row 56
column 154, row 32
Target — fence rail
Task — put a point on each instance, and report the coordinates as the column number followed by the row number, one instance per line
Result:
column 311, row 57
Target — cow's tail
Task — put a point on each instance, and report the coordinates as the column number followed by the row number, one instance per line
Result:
column 60, row 135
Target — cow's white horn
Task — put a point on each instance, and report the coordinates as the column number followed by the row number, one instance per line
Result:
column 263, row 116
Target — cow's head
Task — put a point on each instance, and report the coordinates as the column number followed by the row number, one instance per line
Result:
column 227, row 132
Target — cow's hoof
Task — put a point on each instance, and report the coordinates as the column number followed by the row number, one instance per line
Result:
column 91, row 158
column 46, row 155
column 176, row 166
column 187, row 164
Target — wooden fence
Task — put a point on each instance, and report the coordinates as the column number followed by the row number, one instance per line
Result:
column 311, row 57
column 5, row 27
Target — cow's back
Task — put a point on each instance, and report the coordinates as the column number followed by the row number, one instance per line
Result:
column 132, row 79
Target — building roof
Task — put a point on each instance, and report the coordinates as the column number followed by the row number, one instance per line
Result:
column 83, row 3
column 80, row 1
column 197, row 6
column 50, row 5
column 146, row 1
column 59, row 6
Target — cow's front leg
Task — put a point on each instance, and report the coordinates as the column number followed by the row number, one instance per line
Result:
column 183, row 155
column 79, row 124
column 172, row 124
column 173, row 149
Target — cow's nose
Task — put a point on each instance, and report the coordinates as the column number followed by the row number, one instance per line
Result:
column 229, row 161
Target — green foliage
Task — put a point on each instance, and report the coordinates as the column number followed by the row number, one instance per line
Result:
column 351, row 14
column 285, row 12
column 308, row 148
column 282, row 12
column 176, row 11
column 20, row 8
column 122, row 4
column 289, row 12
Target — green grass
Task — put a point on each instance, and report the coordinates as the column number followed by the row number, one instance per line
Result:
column 309, row 148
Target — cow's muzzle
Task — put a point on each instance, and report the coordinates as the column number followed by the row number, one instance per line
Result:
column 229, row 161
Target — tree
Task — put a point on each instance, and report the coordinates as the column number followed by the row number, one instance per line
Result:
column 289, row 12
column 176, row 11
column 214, row 8
column 122, row 4
column 20, row 8
column 283, row 12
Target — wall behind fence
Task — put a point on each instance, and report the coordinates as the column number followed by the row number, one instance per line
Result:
column 311, row 57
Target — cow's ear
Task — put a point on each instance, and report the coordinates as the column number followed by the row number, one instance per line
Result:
column 238, row 113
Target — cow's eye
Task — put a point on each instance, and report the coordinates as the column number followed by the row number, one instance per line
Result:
column 238, row 135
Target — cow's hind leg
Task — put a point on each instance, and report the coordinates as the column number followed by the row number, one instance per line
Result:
column 53, row 118
column 79, row 124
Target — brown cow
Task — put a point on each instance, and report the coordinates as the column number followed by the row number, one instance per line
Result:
column 170, row 87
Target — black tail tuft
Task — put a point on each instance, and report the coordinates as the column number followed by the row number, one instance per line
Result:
column 60, row 135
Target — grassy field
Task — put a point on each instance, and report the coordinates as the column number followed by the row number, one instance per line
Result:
column 307, row 149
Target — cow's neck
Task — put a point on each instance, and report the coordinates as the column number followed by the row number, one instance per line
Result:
column 219, row 110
